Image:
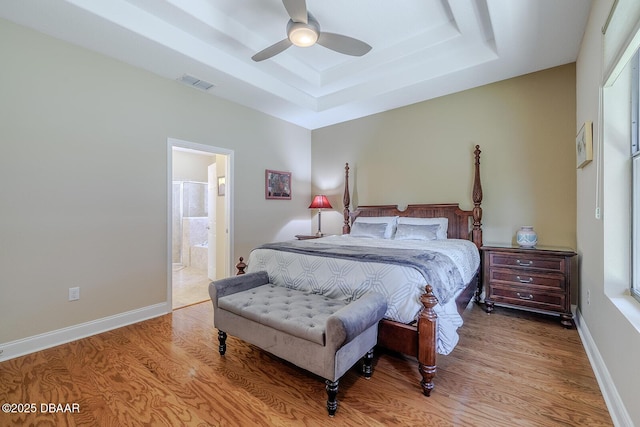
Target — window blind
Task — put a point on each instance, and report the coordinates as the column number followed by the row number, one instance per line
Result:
column 621, row 37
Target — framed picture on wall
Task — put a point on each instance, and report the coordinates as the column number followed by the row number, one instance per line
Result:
column 584, row 145
column 221, row 185
column 277, row 185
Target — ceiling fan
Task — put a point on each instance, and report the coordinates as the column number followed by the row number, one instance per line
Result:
column 303, row 30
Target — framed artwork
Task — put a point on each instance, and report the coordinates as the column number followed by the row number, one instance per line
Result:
column 584, row 145
column 277, row 185
column 221, row 185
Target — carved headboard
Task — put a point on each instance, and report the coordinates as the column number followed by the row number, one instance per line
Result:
column 462, row 224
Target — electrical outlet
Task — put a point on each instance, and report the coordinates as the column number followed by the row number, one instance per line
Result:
column 74, row 294
column 588, row 297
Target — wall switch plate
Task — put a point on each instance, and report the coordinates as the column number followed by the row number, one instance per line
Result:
column 74, row 294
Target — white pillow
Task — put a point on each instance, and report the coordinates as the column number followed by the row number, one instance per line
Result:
column 390, row 221
column 372, row 230
column 416, row 232
column 443, row 223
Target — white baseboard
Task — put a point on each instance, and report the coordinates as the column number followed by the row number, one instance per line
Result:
column 13, row 349
column 617, row 410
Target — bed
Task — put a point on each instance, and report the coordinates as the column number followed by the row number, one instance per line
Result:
column 393, row 251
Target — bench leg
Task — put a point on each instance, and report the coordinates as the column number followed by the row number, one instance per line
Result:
column 366, row 366
column 332, row 392
column 222, row 339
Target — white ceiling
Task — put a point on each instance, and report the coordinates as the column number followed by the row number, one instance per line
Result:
column 422, row 49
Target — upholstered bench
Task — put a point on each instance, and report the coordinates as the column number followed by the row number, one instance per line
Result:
column 321, row 335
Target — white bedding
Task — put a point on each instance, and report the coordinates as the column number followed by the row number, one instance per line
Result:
column 347, row 279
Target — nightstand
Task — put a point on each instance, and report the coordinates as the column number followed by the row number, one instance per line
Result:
column 534, row 279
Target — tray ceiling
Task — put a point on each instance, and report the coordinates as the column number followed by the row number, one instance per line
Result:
column 422, row 49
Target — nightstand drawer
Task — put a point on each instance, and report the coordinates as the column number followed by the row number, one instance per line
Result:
column 531, row 279
column 524, row 260
column 527, row 297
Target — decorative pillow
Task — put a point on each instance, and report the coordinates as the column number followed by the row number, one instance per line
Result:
column 416, row 232
column 443, row 224
column 363, row 229
column 389, row 221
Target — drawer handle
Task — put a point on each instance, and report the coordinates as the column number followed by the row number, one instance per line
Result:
column 527, row 263
column 529, row 280
column 527, row 297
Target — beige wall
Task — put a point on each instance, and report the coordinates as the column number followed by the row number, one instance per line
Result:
column 610, row 318
column 84, row 171
column 189, row 166
column 423, row 153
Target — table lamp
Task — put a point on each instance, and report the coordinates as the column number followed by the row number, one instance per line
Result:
column 320, row 202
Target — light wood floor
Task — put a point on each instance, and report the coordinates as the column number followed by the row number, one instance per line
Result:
column 509, row 369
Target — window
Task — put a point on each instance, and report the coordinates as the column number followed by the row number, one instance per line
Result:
column 635, row 168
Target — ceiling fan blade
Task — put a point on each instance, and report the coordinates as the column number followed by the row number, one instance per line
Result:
column 297, row 10
column 343, row 44
column 272, row 50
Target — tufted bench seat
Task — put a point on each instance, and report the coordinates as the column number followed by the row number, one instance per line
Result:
column 319, row 334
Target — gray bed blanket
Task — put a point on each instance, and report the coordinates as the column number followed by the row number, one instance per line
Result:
column 438, row 270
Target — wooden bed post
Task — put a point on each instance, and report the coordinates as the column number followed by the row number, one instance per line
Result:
column 346, row 200
column 476, row 234
column 241, row 266
column 427, row 330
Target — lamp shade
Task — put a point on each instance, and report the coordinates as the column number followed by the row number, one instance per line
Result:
column 320, row 202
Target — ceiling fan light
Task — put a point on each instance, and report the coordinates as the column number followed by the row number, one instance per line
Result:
column 303, row 36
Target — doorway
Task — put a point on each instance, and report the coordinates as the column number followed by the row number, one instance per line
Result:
column 199, row 226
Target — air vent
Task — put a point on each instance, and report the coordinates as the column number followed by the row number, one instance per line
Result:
column 195, row 82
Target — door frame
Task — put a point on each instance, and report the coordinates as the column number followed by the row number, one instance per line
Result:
column 210, row 149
